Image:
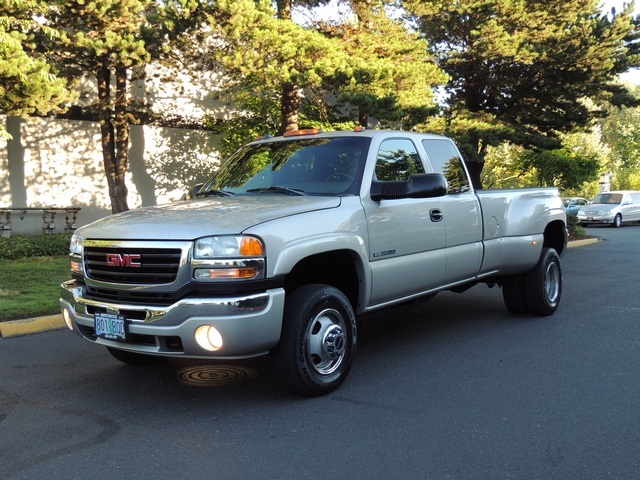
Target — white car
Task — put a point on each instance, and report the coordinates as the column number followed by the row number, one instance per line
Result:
column 612, row 208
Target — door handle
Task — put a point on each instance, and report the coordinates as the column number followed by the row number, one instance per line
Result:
column 436, row 215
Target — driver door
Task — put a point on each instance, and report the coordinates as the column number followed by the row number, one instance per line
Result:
column 406, row 236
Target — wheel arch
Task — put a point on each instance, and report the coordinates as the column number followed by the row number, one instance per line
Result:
column 342, row 269
column 555, row 236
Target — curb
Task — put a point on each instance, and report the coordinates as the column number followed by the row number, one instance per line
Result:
column 26, row 326
column 581, row 243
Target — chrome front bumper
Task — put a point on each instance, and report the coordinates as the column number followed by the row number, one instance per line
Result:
column 250, row 325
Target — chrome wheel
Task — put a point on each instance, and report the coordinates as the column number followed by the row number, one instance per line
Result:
column 552, row 283
column 325, row 341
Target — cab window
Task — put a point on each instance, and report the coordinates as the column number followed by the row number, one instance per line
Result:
column 445, row 159
column 397, row 159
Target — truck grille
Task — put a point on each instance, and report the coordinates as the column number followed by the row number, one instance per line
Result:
column 132, row 265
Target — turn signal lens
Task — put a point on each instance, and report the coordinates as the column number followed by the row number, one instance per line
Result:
column 229, row 273
column 251, row 247
column 76, row 267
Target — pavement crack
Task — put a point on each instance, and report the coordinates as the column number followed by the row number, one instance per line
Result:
column 108, row 428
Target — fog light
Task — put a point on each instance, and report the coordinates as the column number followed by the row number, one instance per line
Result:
column 209, row 338
column 67, row 318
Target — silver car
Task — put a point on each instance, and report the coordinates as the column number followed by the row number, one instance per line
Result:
column 612, row 208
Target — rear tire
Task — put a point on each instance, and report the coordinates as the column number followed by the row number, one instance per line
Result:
column 132, row 358
column 513, row 295
column 543, row 284
column 318, row 341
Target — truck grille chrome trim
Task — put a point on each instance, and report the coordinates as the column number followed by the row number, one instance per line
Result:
column 148, row 314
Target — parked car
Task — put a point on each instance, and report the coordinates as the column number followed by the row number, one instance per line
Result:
column 573, row 204
column 613, row 208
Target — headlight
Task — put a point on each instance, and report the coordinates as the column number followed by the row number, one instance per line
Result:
column 75, row 247
column 604, row 213
column 228, row 246
column 228, row 258
column 75, row 254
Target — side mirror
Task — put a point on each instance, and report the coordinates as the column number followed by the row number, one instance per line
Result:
column 419, row 185
column 192, row 192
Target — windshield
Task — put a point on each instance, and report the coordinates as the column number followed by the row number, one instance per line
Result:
column 303, row 166
column 608, row 198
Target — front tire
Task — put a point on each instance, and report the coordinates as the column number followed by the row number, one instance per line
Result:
column 318, row 340
column 617, row 221
column 543, row 284
column 132, row 358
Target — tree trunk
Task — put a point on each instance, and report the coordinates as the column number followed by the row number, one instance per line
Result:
column 122, row 139
column 15, row 154
column 289, row 108
column 290, row 99
column 474, row 160
column 363, row 116
column 114, row 174
column 475, row 174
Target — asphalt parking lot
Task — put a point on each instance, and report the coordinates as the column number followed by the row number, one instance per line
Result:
column 455, row 388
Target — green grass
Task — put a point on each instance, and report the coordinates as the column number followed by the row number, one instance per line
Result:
column 31, row 286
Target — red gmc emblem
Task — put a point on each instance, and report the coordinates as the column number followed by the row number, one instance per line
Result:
column 123, row 260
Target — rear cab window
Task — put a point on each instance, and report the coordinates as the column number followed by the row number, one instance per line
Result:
column 446, row 160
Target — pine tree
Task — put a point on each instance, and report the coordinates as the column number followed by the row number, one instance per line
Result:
column 28, row 83
column 106, row 40
column 520, row 69
column 394, row 76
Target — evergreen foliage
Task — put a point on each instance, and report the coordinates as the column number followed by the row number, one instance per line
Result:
column 28, row 83
column 515, row 72
column 520, row 70
column 393, row 76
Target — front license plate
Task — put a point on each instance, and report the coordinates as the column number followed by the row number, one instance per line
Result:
column 589, row 218
column 111, row 326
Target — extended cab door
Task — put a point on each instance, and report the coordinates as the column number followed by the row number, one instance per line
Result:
column 406, row 236
column 461, row 212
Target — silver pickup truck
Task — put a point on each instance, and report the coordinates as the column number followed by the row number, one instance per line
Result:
column 295, row 240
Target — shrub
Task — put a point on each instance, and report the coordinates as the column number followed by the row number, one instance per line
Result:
column 575, row 230
column 25, row 246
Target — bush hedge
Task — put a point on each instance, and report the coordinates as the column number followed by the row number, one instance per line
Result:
column 575, row 230
column 25, row 246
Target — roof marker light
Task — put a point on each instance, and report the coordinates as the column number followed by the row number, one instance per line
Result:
column 306, row 131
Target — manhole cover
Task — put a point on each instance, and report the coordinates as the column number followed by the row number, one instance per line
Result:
column 214, row 375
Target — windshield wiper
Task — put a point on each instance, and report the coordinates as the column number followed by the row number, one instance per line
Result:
column 211, row 193
column 276, row 189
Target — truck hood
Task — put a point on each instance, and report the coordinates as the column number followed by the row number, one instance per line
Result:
column 190, row 219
